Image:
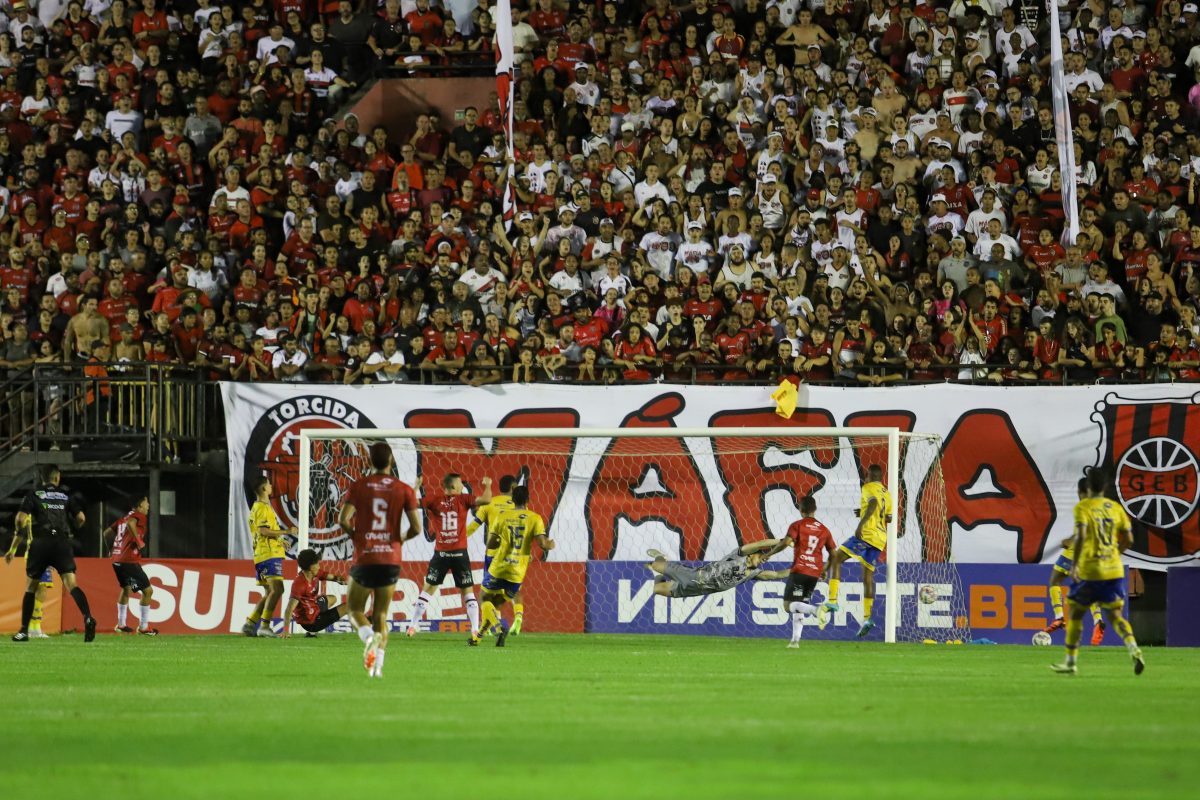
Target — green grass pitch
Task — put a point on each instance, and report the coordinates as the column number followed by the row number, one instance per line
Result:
column 576, row 717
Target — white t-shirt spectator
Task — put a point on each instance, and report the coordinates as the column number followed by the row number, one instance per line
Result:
column 386, row 375
column 482, row 286
column 267, row 45
column 296, row 359
column 644, row 193
column 118, row 122
column 567, row 285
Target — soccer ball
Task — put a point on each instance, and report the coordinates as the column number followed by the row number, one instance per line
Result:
column 927, row 594
column 1041, row 639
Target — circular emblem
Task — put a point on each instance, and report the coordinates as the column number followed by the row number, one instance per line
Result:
column 274, row 450
column 1158, row 482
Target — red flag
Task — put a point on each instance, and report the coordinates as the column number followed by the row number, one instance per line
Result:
column 504, row 91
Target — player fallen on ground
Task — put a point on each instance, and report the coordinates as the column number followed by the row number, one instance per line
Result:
column 128, row 538
column 812, row 544
column 448, row 512
column 45, row 584
column 266, row 533
column 744, row 564
column 500, row 503
column 372, row 519
column 1059, row 575
column 307, row 606
column 866, row 545
column 1102, row 533
column 48, row 514
column 512, row 534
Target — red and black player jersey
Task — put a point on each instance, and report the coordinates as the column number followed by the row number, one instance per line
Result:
column 306, row 593
column 811, row 544
column 127, row 546
column 379, row 501
column 447, row 516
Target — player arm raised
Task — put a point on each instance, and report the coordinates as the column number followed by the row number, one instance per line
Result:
column 486, row 497
column 773, row 546
column 772, row 575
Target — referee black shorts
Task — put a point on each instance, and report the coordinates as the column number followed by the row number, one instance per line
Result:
column 131, row 577
column 50, row 550
column 456, row 562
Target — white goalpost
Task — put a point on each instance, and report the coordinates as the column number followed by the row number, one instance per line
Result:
column 695, row 493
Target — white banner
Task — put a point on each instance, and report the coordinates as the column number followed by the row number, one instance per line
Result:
column 1011, row 456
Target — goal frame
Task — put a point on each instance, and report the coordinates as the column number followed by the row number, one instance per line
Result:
column 891, row 434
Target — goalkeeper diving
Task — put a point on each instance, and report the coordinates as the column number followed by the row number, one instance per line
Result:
column 744, row 564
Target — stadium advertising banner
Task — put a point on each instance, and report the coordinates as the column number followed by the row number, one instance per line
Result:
column 1011, row 458
column 1008, row 604
column 215, row 596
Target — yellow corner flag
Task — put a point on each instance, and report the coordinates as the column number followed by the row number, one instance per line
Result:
column 785, row 399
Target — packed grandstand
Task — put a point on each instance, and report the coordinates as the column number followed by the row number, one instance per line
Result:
column 852, row 192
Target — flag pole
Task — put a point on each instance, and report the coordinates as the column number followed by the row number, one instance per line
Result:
column 1063, row 133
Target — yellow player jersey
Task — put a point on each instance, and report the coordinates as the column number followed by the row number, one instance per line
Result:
column 263, row 516
column 1103, row 523
column 874, row 530
column 517, row 529
column 500, row 503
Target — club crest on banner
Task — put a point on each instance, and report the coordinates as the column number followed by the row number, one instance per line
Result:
column 274, row 450
column 1149, row 448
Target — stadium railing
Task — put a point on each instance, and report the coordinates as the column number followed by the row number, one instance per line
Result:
column 148, row 412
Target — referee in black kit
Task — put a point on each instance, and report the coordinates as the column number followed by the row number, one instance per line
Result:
column 49, row 514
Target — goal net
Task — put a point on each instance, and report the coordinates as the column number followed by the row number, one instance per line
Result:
column 695, row 495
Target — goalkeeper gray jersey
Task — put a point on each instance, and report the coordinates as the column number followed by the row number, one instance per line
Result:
column 727, row 573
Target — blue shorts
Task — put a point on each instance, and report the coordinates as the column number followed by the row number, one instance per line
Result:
column 494, row 584
column 487, row 562
column 867, row 554
column 270, row 569
column 1109, row 594
column 46, row 577
column 1064, row 565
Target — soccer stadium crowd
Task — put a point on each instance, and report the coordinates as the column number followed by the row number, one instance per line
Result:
column 856, row 192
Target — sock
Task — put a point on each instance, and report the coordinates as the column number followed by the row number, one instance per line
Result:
column 267, row 615
column 490, row 617
column 365, row 633
column 1097, row 619
column 1125, row 631
column 797, row 624
column 122, row 614
column 834, row 585
column 419, row 609
column 143, row 616
column 254, row 617
column 26, row 611
column 798, row 607
column 379, row 654
column 868, row 602
column 1074, row 633
column 81, row 600
column 518, row 610
column 1056, row 600
column 473, row 615
column 35, row 621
